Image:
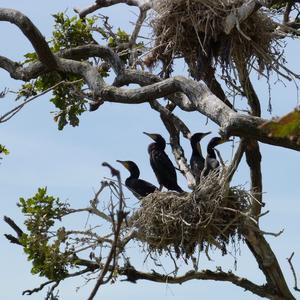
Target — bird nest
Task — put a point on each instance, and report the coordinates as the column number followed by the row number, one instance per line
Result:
column 194, row 30
column 212, row 215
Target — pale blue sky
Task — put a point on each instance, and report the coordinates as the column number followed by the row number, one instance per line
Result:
column 68, row 162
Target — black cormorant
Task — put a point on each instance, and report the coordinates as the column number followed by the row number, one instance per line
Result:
column 197, row 160
column 211, row 158
column 139, row 187
column 161, row 164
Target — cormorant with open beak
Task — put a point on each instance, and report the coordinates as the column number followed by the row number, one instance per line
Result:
column 139, row 187
column 161, row 164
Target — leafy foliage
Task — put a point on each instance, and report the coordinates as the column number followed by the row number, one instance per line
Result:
column 3, row 150
column 119, row 38
column 287, row 126
column 27, row 90
column 47, row 257
column 69, row 32
column 68, row 96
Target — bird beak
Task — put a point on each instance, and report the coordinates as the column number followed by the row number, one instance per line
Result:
column 202, row 135
column 225, row 140
column 123, row 162
column 206, row 133
column 151, row 135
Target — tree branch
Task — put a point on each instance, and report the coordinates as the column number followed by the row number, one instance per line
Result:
column 236, row 159
column 121, row 215
column 240, row 14
column 198, row 97
column 267, row 262
column 142, row 4
column 7, row 116
column 294, row 272
column 32, row 33
column 201, row 98
column 134, row 275
column 36, row 69
column 14, row 226
column 253, row 155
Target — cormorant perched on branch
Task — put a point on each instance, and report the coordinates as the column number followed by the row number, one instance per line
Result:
column 211, row 158
column 197, row 161
column 161, row 163
column 139, row 187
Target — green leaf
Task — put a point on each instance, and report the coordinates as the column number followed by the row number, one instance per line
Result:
column 4, row 150
column 41, row 247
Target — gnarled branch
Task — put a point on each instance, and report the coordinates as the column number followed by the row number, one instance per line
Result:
column 263, row 291
column 32, row 33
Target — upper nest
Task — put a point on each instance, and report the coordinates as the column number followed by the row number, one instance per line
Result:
column 213, row 214
column 194, row 30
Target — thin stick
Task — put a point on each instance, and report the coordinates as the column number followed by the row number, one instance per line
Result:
column 7, row 116
column 293, row 271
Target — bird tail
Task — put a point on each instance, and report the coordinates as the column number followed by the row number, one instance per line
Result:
column 179, row 189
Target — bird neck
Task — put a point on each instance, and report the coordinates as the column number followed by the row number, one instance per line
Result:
column 134, row 172
column 210, row 147
column 211, row 151
column 160, row 144
column 196, row 148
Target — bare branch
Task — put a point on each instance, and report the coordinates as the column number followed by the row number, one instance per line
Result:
column 135, row 275
column 239, row 15
column 92, row 50
column 205, row 102
column 14, row 226
column 35, row 290
column 4, row 93
column 35, row 69
column 121, row 215
column 91, row 210
column 287, row 12
column 137, row 28
column 273, row 233
column 142, row 4
column 32, row 33
column 267, row 262
column 253, row 155
column 199, row 98
column 236, row 159
column 90, row 267
column 294, row 272
column 7, row 116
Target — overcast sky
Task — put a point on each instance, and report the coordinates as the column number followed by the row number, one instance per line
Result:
column 68, row 162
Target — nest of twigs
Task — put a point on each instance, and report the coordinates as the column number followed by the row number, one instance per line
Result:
column 212, row 215
column 194, row 30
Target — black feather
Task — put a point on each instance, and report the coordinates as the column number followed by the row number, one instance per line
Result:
column 161, row 164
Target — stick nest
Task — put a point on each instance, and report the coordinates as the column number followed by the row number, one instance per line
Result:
column 212, row 215
column 194, row 30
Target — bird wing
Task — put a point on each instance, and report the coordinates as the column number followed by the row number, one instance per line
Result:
column 140, row 187
column 214, row 164
column 197, row 164
column 162, row 166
